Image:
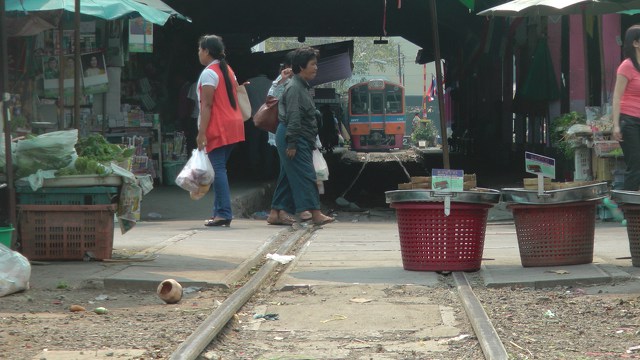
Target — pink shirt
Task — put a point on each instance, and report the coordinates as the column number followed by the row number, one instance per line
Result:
column 630, row 102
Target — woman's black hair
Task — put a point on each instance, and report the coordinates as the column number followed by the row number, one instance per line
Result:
column 629, row 51
column 215, row 46
column 301, row 57
column 286, row 62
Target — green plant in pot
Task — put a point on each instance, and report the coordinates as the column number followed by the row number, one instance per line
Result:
column 559, row 137
column 425, row 131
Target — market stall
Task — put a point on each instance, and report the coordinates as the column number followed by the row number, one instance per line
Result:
column 86, row 73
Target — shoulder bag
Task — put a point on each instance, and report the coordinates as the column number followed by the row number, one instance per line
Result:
column 266, row 118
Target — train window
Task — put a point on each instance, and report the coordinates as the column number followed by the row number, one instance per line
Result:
column 376, row 103
column 393, row 107
column 359, row 103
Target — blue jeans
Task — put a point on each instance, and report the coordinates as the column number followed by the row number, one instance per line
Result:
column 222, row 194
column 296, row 190
column 630, row 129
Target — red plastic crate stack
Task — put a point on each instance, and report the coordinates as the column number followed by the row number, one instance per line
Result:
column 66, row 232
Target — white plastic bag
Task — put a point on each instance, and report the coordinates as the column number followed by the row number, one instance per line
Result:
column 320, row 165
column 50, row 151
column 197, row 175
column 15, row 271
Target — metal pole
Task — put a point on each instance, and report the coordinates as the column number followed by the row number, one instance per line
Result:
column 436, row 47
column 76, row 74
column 60, row 75
column 4, row 77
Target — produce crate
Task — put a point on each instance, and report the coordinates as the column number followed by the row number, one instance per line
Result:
column 555, row 234
column 95, row 195
column 431, row 241
column 66, row 232
column 603, row 167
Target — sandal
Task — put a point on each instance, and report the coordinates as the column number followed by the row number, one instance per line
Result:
column 282, row 220
column 305, row 216
column 325, row 221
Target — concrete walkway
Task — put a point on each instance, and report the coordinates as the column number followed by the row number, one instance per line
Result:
column 171, row 242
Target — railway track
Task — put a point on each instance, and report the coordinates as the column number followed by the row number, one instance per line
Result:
column 197, row 343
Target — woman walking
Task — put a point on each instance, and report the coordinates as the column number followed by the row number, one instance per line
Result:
column 626, row 108
column 296, row 190
column 220, row 124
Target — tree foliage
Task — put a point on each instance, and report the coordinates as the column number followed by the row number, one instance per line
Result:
column 367, row 56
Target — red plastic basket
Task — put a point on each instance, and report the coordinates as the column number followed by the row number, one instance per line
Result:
column 555, row 234
column 431, row 241
column 66, row 232
column 632, row 215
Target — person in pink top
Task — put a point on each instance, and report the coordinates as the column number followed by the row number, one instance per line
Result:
column 626, row 108
column 220, row 124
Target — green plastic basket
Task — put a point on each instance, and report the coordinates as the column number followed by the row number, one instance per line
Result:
column 93, row 195
column 5, row 236
column 170, row 170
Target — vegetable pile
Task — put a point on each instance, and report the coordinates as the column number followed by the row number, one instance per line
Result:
column 94, row 152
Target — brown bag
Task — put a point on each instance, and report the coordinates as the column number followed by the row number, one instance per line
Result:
column 266, row 118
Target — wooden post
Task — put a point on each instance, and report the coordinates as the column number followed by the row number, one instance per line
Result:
column 76, row 75
column 60, row 76
column 436, row 47
column 4, row 77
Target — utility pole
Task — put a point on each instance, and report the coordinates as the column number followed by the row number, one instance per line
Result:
column 400, row 80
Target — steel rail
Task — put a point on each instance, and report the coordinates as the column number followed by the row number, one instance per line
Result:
column 196, row 343
column 488, row 338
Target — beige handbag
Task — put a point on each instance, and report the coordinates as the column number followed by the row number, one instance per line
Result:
column 244, row 103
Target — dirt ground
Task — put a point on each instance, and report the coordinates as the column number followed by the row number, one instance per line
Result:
column 559, row 323
column 549, row 324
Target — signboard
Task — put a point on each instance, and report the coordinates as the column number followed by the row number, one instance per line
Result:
column 140, row 35
column 447, row 180
column 540, row 165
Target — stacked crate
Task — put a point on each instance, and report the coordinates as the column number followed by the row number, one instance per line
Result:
column 66, row 223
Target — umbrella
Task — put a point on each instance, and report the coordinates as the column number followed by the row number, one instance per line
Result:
column 153, row 11
column 560, row 7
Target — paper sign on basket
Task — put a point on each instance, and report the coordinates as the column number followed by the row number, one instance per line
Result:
column 447, row 180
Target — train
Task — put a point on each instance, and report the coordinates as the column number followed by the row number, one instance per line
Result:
column 376, row 113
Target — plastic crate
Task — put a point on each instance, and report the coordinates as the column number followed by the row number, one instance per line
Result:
column 170, row 170
column 431, row 241
column 632, row 215
column 95, row 195
column 66, row 232
column 558, row 234
column 604, row 167
column 5, row 236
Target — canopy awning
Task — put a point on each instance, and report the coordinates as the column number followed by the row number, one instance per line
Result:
column 154, row 11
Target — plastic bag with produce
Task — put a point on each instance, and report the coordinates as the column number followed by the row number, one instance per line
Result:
column 197, row 175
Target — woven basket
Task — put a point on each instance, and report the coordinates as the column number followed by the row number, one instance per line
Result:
column 558, row 234
column 431, row 241
column 632, row 214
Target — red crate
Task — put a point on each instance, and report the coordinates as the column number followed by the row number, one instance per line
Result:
column 555, row 234
column 431, row 241
column 632, row 215
column 66, row 232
